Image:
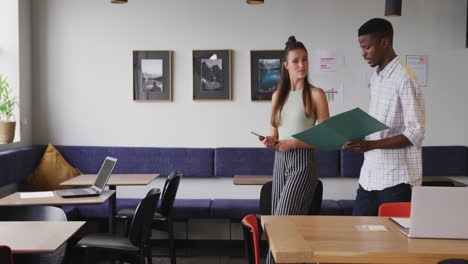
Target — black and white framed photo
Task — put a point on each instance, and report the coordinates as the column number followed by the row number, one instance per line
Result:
column 265, row 71
column 212, row 75
column 152, row 75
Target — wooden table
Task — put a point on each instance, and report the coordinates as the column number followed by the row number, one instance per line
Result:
column 335, row 239
column 252, row 179
column 262, row 179
column 36, row 237
column 114, row 180
column 15, row 200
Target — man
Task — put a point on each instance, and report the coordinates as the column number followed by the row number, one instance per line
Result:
column 392, row 158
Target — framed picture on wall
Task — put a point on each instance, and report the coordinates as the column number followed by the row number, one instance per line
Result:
column 152, row 75
column 212, row 75
column 265, row 70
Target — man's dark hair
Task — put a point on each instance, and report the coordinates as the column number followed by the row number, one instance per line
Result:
column 378, row 27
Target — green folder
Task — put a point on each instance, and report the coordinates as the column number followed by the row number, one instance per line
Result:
column 335, row 131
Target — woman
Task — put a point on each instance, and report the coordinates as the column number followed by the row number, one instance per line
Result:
column 297, row 105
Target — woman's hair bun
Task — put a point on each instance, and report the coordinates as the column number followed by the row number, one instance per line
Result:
column 291, row 40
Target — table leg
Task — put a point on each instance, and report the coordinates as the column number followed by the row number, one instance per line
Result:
column 112, row 209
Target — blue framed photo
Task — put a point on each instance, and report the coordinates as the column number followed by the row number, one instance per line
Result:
column 265, row 71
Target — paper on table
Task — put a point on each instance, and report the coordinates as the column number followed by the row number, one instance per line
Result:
column 335, row 131
column 371, row 228
column 27, row 195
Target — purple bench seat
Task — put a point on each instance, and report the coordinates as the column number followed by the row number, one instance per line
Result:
column 183, row 208
column 17, row 164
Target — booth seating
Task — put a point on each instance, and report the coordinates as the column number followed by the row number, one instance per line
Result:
column 206, row 163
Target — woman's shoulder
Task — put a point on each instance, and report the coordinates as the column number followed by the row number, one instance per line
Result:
column 316, row 91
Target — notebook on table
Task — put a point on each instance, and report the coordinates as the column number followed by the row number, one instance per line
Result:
column 98, row 186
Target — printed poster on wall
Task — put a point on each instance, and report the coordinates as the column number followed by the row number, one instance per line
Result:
column 418, row 64
column 333, row 90
column 328, row 61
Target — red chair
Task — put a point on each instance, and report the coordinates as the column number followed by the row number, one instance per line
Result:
column 5, row 255
column 395, row 209
column 252, row 238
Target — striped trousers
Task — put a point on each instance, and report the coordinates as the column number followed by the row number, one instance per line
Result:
column 295, row 178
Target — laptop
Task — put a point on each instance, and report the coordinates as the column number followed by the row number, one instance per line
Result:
column 98, row 186
column 437, row 212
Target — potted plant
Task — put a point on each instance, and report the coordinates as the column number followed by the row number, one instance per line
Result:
column 7, row 104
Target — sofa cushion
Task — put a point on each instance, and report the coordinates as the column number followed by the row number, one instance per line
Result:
column 52, row 170
column 183, row 208
column 243, row 161
column 189, row 161
column 259, row 161
column 97, row 211
column 445, row 161
column 330, row 207
column 347, row 206
column 234, row 208
column 72, row 212
column 191, row 208
column 328, row 163
column 17, row 164
column 351, row 163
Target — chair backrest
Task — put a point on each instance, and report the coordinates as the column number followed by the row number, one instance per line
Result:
column 453, row 261
column 32, row 213
column 438, row 183
column 250, row 225
column 140, row 228
column 5, row 255
column 317, row 202
column 36, row 213
column 265, row 198
column 395, row 209
column 169, row 193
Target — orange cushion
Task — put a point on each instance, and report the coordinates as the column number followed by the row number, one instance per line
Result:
column 52, row 170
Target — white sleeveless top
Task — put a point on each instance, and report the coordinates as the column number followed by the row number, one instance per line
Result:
column 292, row 118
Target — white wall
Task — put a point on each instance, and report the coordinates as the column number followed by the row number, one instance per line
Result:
column 82, row 91
column 15, row 63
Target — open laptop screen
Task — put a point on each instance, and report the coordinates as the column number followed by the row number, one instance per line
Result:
column 104, row 172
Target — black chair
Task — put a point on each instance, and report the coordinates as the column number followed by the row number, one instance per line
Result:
column 5, row 255
column 453, row 261
column 438, row 183
column 162, row 219
column 136, row 243
column 265, row 199
column 36, row 213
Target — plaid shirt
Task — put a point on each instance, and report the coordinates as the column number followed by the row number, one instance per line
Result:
column 397, row 101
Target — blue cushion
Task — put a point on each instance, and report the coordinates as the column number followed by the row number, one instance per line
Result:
column 191, row 208
column 330, row 207
column 259, row 161
column 347, row 206
column 351, row 163
column 445, row 161
column 72, row 212
column 183, row 208
column 101, row 210
column 234, row 208
column 190, row 161
column 17, row 164
column 328, row 163
column 244, row 161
